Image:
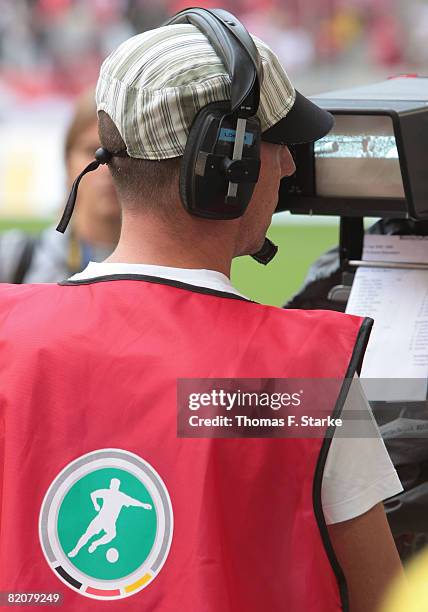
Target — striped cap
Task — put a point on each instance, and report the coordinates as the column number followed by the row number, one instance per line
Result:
column 155, row 83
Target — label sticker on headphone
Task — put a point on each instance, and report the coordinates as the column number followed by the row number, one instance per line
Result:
column 228, row 135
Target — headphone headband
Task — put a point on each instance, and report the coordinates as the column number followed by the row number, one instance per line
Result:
column 236, row 49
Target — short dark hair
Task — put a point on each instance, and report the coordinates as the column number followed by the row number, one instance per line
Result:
column 136, row 180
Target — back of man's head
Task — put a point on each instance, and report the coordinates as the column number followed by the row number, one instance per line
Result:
column 151, row 89
column 140, row 182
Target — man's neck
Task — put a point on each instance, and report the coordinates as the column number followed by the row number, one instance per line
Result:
column 149, row 240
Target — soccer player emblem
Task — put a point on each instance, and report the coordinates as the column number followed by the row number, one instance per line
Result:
column 107, row 497
column 113, row 502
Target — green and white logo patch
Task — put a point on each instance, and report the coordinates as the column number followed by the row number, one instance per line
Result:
column 106, row 524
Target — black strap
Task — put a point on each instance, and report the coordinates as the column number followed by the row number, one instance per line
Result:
column 158, row 280
column 102, row 156
column 351, row 240
column 69, row 207
column 236, row 49
column 25, row 260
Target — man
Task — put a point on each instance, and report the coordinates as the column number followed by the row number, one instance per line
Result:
column 97, row 382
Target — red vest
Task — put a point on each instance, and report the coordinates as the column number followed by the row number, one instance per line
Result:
column 94, row 366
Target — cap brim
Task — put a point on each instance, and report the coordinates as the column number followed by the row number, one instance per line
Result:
column 305, row 122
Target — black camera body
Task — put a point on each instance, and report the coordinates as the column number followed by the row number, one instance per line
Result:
column 374, row 162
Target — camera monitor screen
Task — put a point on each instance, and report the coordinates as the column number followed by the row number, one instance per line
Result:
column 359, row 158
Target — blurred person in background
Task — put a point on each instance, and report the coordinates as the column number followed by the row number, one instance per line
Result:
column 52, row 46
column 56, row 46
column 96, row 225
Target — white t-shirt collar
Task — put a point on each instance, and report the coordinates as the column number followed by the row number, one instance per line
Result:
column 211, row 279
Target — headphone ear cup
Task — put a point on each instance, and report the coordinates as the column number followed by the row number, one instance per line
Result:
column 197, row 136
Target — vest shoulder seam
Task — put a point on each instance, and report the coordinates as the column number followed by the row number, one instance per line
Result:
column 155, row 280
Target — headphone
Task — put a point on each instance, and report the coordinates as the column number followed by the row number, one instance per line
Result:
column 221, row 161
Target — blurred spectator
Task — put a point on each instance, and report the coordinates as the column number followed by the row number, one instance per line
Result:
column 386, row 40
column 51, row 46
column 66, row 40
column 337, row 34
column 417, row 21
column 95, row 229
column 291, row 42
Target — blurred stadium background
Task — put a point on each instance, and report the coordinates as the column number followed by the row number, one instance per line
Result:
column 50, row 50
